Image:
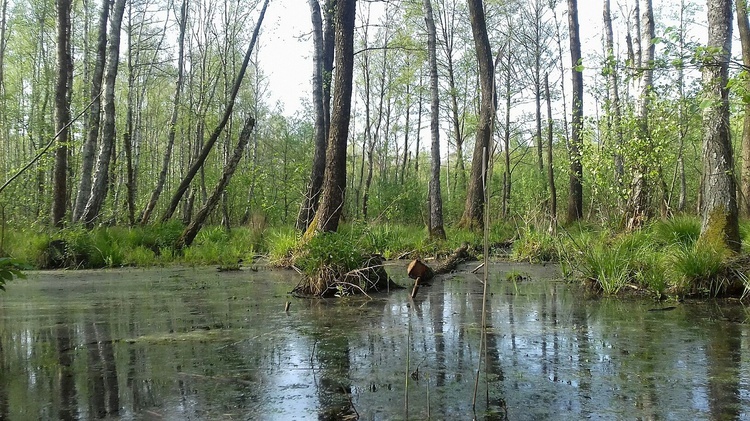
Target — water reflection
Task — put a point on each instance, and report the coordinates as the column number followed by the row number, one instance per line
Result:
column 194, row 344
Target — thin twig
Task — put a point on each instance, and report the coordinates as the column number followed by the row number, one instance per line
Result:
column 48, row 146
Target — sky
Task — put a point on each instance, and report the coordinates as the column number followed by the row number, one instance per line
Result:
column 285, row 53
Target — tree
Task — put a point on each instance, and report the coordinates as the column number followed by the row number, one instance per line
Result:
column 435, row 198
column 100, row 182
column 473, row 215
column 613, row 108
column 310, row 201
column 550, row 171
column 720, row 217
column 93, row 116
column 156, row 193
column 188, row 235
column 638, row 208
column 575, row 194
column 334, row 182
column 744, row 27
column 206, row 149
column 62, row 112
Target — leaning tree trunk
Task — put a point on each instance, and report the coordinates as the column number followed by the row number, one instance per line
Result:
column 334, row 184
column 188, row 235
column 436, row 200
column 94, row 115
column 720, row 220
column 473, row 215
column 310, row 201
column 101, row 178
column 575, row 194
column 744, row 26
column 146, row 214
column 206, row 149
column 62, row 113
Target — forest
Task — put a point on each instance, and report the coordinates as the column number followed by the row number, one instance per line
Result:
column 614, row 140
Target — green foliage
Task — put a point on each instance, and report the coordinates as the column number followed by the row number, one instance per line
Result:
column 9, row 269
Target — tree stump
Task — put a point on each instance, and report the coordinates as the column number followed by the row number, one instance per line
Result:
column 417, row 269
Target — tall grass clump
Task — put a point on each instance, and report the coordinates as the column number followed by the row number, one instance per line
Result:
column 608, row 265
column 535, row 245
column 281, row 243
column 700, row 269
column 680, row 230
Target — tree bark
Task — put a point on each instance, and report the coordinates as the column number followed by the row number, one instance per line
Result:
column 550, row 171
column 334, row 184
column 720, row 217
column 62, row 113
column 188, row 235
column 575, row 194
column 100, row 182
column 473, row 216
column 94, row 115
column 744, row 27
column 639, row 206
column 614, row 119
column 156, row 193
column 435, row 198
column 310, row 201
column 198, row 163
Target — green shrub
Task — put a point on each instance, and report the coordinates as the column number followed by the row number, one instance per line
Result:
column 9, row 269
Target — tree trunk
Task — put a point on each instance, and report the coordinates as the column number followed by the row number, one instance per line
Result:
column 100, row 183
column 744, row 28
column 720, row 219
column 435, row 198
column 93, row 116
column 639, row 206
column 188, row 235
column 575, row 194
column 310, row 201
column 614, row 120
column 198, row 163
column 473, row 216
column 156, row 193
column 62, row 113
column 506, row 135
column 334, row 184
column 550, row 171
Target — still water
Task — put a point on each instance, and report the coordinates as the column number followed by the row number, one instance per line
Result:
column 195, row 344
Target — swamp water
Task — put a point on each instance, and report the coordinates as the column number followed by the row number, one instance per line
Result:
column 195, row 344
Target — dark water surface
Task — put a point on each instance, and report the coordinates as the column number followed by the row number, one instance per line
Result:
column 195, row 344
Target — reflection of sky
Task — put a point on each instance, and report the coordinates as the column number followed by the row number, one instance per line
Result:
column 551, row 355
